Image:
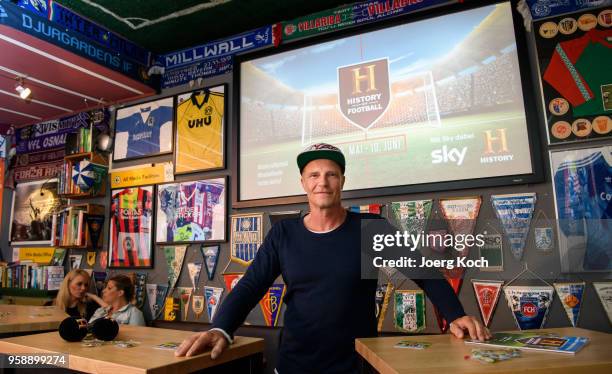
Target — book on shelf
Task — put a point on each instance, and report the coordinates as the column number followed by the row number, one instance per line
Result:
column 70, row 227
column 79, row 141
column 31, row 276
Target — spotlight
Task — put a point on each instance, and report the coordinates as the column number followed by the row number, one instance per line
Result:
column 24, row 92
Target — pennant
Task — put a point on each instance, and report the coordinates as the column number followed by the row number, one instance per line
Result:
column 368, row 208
column 411, row 216
column 492, row 251
column 231, row 279
column 75, row 261
column 95, row 226
column 174, row 258
column 185, row 298
column 211, row 257
column 246, row 237
column 279, row 216
column 460, row 214
column 272, row 303
column 171, row 308
column 89, row 271
column 140, row 281
column 570, row 294
column 194, row 273
column 383, row 294
column 529, row 305
column 59, row 255
column 152, row 297
column 103, row 259
column 455, row 282
column 544, row 239
column 604, row 291
column 99, row 279
column 409, row 310
column 160, row 297
column 213, row 298
column 515, row 212
column 197, row 305
column 91, row 258
column 487, row 296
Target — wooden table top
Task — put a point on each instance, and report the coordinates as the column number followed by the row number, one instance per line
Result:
column 27, row 318
column 142, row 358
column 447, row 354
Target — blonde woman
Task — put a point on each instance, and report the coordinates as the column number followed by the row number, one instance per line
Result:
column 73, row 296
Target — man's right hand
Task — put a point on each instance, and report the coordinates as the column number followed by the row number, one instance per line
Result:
column 200, row 342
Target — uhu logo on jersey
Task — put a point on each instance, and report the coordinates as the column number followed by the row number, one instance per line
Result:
column 363, row 92
column 199, row 122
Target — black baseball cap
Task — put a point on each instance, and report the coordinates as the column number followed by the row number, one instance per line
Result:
column 321, row 151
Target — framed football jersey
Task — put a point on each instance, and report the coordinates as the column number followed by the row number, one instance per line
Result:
column 200, row 129
column 144, row 130
column 192, row 211
column 131, row 230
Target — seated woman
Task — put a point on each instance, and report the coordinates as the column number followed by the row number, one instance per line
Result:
column 73, row 297
column 116, row 298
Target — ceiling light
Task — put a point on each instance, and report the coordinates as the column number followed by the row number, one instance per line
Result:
column 24, row 92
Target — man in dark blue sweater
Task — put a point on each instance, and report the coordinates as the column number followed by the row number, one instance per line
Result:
column 329, row 303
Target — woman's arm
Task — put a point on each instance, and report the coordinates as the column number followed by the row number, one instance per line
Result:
column 97, row 299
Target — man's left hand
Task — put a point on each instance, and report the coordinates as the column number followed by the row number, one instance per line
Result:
column 476, row 329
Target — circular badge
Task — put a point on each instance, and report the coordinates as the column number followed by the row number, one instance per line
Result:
column 602, row 125
column 561, row 130
column 581, row 127
column 568, row 26
column 605, row 18
column 587, row 21
column 290, row 29
column 558, row 106
column 548, row 30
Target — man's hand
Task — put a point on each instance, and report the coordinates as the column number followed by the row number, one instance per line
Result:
column 200, row 342
column 476, row 329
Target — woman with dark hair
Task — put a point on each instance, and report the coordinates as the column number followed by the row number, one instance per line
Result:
column 117, row 295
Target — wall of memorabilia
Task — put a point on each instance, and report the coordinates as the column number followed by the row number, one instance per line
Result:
column 170, row 221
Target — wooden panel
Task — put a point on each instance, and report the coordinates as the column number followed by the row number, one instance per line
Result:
column 24, row 318
column 448, row 354
column 140, row 359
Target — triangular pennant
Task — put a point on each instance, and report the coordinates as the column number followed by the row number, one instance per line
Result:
column 383, row 295
column 211, row 258
column 529, row 305
column 604, row 291
column 198, row 305
column 75, row 261
column 455, row 283
column 160, row 298
column 409, row 310
column 570, row 294
column 185, row 295
column 246, row 237
column 194, row 273
column 103, row 259
column 460, row 215
column 91, row 258
column 231, row 279
column 411, row 216
column 100, row 279
column 279, row 216
column 213, row 298
column 95, row 225
column 89, row 271
column 140, row 280
column 487, row 296
column 515, row 212
column 174, row 258
column 151, row 297
column 271, row 304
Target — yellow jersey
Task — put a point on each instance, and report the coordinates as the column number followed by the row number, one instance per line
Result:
column 199, row 133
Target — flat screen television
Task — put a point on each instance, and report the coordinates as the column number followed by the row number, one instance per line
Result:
column 437, row 103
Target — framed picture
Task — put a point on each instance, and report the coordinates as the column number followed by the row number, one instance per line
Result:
column 200, row 130
column 191, row 211
column 34, row 204
column 131, row 219
column 144, row 130
column 246, row 237
column 576, row 81
column 582, row 184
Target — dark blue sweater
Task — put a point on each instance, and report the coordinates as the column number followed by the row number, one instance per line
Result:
column 328, row 303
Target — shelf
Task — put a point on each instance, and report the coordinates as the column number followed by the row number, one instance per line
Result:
column 72, row 246
column 27, row 292
column 94, row 157
column 82, row 196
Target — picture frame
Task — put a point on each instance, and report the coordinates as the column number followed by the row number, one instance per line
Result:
column 579, row 178
column 199, row 133
column 32, row 214
column 183, row 214
column 246, row 237
column 144, row 130
column 131, row 228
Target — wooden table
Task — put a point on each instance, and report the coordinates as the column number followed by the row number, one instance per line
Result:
column 142, row 358
column 447, row 354
column 15, row 319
